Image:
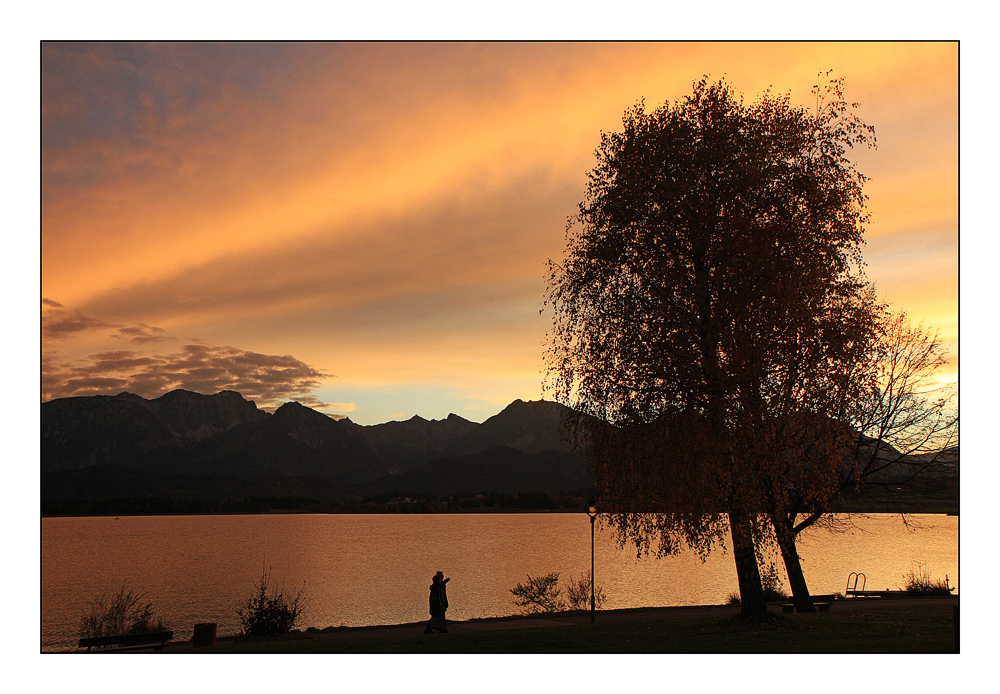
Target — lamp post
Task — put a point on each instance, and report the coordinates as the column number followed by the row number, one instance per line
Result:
column 592, row 512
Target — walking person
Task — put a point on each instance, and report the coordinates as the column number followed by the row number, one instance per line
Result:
column 438, row 604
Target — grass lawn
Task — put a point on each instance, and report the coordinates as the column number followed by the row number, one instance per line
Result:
column 910, row 629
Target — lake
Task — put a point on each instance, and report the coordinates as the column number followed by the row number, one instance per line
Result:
column 360, row 570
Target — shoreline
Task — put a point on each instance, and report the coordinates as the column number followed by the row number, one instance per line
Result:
column 560, row 619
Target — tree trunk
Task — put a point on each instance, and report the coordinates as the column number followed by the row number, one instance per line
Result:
column 751, row 591
column 752, row 603
column 793, row 567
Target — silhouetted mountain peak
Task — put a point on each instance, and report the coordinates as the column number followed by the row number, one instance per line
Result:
column 530, row 427
column 415, row 440
column 306, row 425
column 125, row 396
column 295, row 409
column 195, row 416
column 534, row 406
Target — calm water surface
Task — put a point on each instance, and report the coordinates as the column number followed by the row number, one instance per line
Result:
column 376, row 569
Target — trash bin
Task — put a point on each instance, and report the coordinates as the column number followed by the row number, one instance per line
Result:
column 204, row 635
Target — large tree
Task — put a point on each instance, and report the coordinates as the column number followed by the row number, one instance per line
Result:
column 711, row 286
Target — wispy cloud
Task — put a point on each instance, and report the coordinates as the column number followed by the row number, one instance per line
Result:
column 59, row 324
column 143, row 333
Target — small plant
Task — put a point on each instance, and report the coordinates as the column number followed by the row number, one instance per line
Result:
column 774, row 591
column 266, row 615
column 578, row 593
column 122, row 613
column 542, row 594
column 918, row 580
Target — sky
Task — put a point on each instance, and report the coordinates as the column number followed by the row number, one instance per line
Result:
column 364, row 227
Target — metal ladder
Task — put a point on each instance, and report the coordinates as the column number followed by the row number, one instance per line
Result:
column 855, row 575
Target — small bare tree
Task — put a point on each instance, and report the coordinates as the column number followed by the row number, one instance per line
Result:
column 908, row 424
column 540, row 594
column 543, row 594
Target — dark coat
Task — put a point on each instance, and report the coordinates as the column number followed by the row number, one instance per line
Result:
column 438, row 599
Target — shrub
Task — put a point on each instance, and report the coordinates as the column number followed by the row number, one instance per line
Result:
column 266, row 615
column 542, row 594
column 539, row 595
column 122, row 613
column 918, row 580
column 578, row 593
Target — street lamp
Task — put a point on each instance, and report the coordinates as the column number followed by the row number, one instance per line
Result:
column 592, row 512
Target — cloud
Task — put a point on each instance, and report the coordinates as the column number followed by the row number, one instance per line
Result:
column 267, row 379
column 143, row 333
column 439, row 256
column 58, row 324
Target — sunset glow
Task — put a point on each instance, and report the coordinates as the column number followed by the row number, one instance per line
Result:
column 364, row 227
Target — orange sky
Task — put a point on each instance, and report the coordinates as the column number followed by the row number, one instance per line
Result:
column 367, row 225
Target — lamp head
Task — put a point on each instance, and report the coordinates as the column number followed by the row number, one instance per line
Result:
column 592, row 507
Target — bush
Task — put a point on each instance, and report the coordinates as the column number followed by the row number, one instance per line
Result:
column 539, row 595
column 918, row 580
column 578, row 593
column 123, row 613
column 542, row 594
column 266, row 615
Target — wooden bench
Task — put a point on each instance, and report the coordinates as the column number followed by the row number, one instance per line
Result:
column 820, row 602
column 157, row 638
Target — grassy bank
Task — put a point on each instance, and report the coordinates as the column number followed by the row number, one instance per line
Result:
column 890, row 629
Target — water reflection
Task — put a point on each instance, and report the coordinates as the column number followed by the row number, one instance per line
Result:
column 375, row 569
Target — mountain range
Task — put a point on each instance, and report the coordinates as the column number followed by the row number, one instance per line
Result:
column 222, row 447
column 218, row 446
